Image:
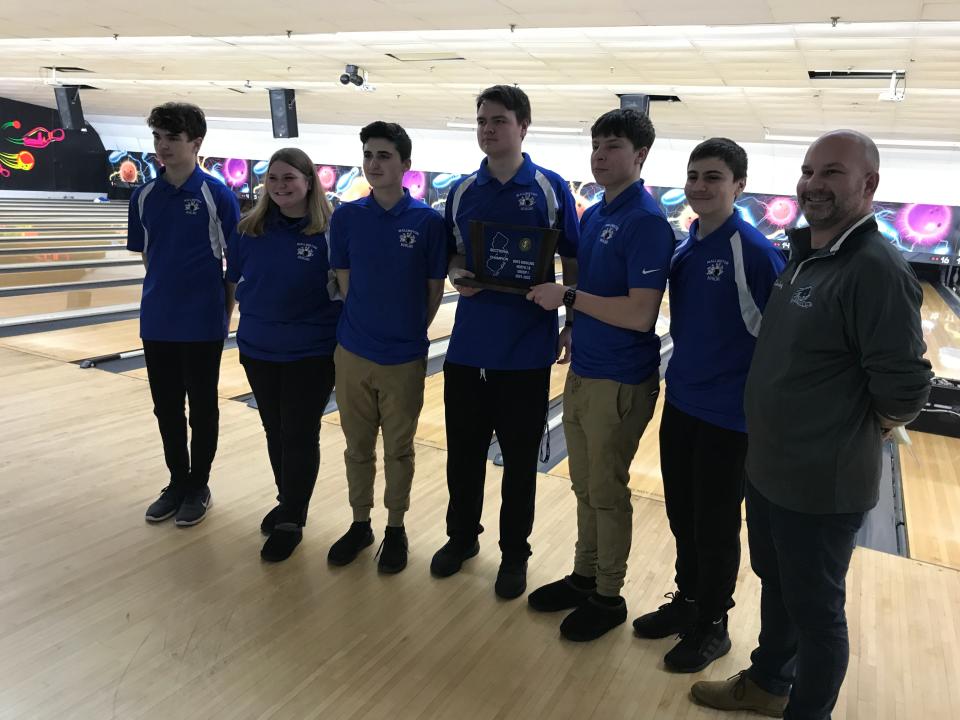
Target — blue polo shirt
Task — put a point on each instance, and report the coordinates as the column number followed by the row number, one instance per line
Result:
column 390, row 255
column 183, row 233
column 624, row 244
column 496, row 330
column 289, row 301
column 719, row 286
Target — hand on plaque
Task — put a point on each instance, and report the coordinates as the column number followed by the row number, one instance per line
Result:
column 549, row 296
column 462, row 289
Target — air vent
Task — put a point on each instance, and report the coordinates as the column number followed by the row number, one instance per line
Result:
column 66, row 69
column 657, row 98
column 855, row 74
column 424, row 57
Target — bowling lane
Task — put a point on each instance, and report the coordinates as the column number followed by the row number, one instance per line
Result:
column 66, row 257
column 29, row 278
column 42, row 303
column 27, row 245
column 88, row 341
column 941, row 332
column 442, row 324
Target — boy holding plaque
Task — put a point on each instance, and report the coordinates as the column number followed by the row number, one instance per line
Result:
column 497, row 370
column 611, row 390
column 389, row 251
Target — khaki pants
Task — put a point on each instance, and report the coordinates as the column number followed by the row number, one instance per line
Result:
column 603, row 421
column 371, row 396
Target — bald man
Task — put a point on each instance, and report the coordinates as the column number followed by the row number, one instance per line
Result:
column 838, row 364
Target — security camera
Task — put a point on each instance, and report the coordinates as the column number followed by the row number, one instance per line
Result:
column 352, row 74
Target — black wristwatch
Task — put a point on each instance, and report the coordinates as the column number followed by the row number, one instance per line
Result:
column 569, row 298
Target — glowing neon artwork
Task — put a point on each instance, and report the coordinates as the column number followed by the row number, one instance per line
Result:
column 40, row 137
column 924, row 224
column 356, row 189
column 260, row 167
column 416, row 182
column 346, row 179
column 22, row 160
column 686, row 217
column 235, row 172
column 444, row 180
column 585, row 195
column 128, row 172
column 15, row 124
column 781, row 211
column 327, row 177
column 673, row 197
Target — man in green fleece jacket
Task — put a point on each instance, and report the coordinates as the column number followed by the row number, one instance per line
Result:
column 838, row 364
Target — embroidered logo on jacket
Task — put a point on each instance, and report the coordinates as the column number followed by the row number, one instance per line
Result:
column 801, row 297
column 306, row 251
column 191, row 206
column 715, row 269
column 607, row 232
column 527, row 200
column 408, row 238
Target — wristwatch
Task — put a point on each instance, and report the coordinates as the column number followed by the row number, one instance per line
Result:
column 569, row 298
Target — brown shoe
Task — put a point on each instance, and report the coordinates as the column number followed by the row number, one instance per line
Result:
column 738, row 693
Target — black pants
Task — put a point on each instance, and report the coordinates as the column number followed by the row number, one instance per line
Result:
column 191, row 371
column 802, row 563
column 512, row 403
column 702, row 469
column 291, row 397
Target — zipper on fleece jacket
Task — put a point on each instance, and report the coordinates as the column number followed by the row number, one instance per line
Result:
column 834, row 247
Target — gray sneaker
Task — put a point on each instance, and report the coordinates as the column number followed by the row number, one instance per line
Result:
column 194, row 506
column 165, row 506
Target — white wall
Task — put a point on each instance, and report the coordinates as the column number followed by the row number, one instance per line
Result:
column 907, row 175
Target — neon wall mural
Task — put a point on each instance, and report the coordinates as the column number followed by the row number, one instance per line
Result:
column 38, row 154
column 923, row 233
column 36, row 139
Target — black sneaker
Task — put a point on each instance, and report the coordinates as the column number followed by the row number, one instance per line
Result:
column 282, row 542
column 700, row 647
column 511, row 579
column 393, row 550
column 165, row 506
column 345, row 550
column 562, row 594
column 449, row 559
column 673, row 618
column 593, row 618
column 194, row 507
column 269, row 521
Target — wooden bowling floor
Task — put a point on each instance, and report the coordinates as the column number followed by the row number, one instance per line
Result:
column 105, row 616
column 53, row 275
column 48, row 302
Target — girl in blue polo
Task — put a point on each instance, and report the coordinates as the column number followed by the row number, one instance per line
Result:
column 279, row 262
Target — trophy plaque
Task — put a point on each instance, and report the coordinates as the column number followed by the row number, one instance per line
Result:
column 510, row 258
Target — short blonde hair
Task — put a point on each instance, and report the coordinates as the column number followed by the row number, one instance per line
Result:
column 319, row 209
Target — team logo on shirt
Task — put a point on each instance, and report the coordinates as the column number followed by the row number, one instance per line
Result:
column 408, row 238
column 715, row 269
column 801, row 297
column 527, row 200
column 607, row 232
column 191, row 206
column 306, row 251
